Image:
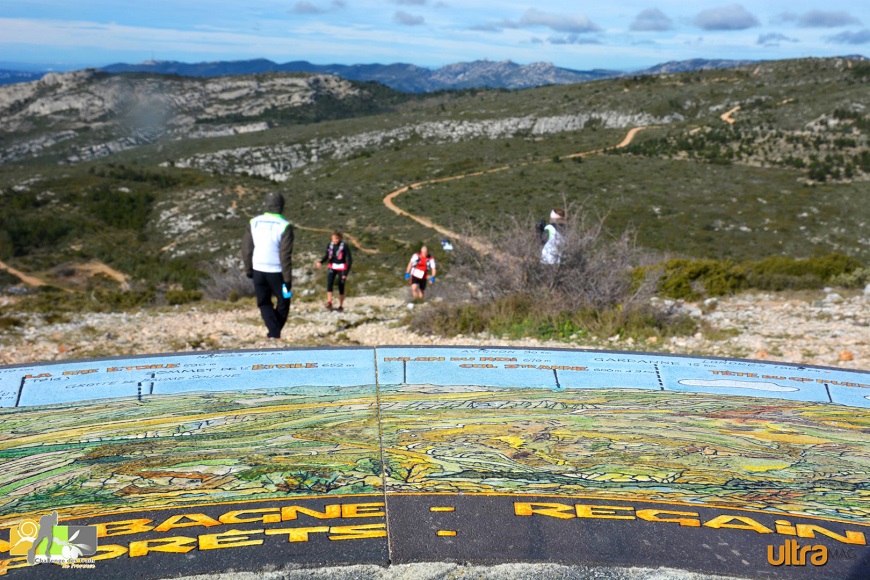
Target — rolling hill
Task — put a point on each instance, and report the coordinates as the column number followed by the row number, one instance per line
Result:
column 155, row 175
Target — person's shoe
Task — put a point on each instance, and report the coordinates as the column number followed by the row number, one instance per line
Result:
column 328, row 306
column 340, row 309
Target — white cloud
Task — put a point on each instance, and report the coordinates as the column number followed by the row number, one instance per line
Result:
column 306, row 8
column 406, row 19
column 651, row 20
column 773, row 39
column 731, row 17
column 819, row 19
column 859, row 37
column 573, row 39
column 557, row 22
column 534, row 18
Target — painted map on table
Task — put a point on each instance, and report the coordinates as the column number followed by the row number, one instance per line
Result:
column 117, row 436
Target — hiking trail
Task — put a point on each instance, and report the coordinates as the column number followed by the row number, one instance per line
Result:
column 477, row 245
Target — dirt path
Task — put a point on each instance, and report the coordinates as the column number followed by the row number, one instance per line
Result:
column 96, row 267
column 29, row 280
column 90, row 269
column 479, row 246
column 728, row 116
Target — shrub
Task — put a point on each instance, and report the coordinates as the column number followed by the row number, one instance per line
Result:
column 690, row 279
column 780, row 273
column 48, row 300
column 597, row 288
column 174, row 297
column 858, row 278
column 7, row 322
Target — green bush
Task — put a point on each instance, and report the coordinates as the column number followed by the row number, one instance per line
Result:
column 174, row 297
column 691, row 279
column 858, row 278
column 51, row 300
column 780, row 273
column 124, row 210
column 7, row 322
column 523, row 316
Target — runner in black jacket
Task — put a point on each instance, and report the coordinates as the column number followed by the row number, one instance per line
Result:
column 339, row 260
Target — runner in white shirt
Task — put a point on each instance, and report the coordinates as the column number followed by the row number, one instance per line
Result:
column 267, row 250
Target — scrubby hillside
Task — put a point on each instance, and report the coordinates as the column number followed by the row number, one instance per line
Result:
column 155, row 176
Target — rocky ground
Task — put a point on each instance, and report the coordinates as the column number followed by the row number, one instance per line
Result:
column 822, row 328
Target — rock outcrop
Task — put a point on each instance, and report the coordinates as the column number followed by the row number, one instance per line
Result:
column 109, row 113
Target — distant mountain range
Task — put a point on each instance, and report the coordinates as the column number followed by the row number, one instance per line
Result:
column 408, row 77
column 414, row 79
column 399, row 76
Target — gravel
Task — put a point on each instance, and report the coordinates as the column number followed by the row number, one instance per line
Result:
column 822, row 328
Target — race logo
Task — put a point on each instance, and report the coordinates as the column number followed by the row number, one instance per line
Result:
column 48, row 542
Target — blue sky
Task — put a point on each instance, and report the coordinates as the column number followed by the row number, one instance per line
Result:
column 628, row 35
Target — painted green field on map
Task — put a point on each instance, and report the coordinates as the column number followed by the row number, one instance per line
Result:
column 114, row 455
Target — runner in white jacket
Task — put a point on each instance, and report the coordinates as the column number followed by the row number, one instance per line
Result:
column 267, row 250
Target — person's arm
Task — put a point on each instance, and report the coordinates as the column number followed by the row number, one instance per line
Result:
column 348, row 259
column 324, row 258
column 248, row 252
column 285, row 251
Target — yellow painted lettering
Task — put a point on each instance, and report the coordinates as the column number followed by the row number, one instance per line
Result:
column 652, row 515
column 850, row 537
column 330, row 511
column 298, row 534
column 194, row 520
column 359, row 532
column 362, row 510
column 229, row 539
column 785, row 528
column 13, row 563
column 553, row 510
column 172, row 545
column 123, row 528
column 747, row 524
column 605, row 512
column 266, row 515
column 39, row 376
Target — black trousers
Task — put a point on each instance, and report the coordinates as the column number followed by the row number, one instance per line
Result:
column 267, row 285
column 333, row 278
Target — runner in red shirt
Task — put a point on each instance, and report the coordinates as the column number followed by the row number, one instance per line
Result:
column 421, row 266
